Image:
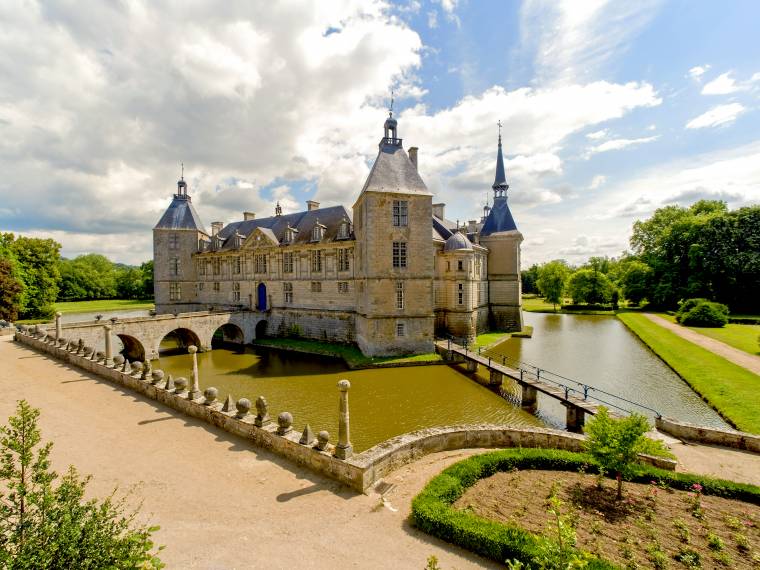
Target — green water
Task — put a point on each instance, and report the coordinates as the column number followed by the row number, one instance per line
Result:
column 383, row 402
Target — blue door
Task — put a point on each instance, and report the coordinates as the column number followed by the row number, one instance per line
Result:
column 262, row 297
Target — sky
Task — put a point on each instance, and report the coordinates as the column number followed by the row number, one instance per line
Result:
column 610, row 109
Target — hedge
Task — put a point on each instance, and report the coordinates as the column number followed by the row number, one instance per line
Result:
column 432, row 511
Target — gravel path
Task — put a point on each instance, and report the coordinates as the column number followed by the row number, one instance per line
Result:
column 738, row 357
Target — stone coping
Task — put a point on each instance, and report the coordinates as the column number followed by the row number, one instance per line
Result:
column 712, row 436
column 161, row 317
column 360, row 471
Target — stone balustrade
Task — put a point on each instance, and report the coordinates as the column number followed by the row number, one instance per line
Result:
column 710, row 436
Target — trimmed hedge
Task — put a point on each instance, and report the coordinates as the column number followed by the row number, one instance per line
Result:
column 702, row 313
column 432, row 511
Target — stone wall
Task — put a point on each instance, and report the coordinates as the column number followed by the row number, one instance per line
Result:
column 712, row 436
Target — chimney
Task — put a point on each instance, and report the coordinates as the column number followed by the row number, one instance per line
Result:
column 312, row 205
column 216, row 227
column 413, row 156
column 249, row 216
column 438, row 210
column 472, row 225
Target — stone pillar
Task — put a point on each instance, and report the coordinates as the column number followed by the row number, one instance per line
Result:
column 195, row 392
column 109, row 348
column 57, row 325
column 575, row 418
column 344, row 449
column 472, row 365
column 529, row 397
column 496, row 378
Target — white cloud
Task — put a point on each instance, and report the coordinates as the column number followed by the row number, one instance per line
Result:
column 698, row 71
column 719, row 115
column 722, row 85
column 618, row 144
column 596, row 135
column 432, row 19
column 574, row 40
column 597, row 181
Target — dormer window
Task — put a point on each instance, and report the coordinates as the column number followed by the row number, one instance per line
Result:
column 317, row 232
column 290, row 234
column 344, row 229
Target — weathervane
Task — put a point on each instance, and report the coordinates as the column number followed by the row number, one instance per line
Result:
column 499, row 123
column 390, row 111
column 182, row 175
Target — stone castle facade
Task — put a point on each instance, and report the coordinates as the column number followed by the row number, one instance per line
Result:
column 389, row 276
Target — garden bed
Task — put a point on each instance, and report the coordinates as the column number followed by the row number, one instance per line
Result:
column 441, row 510
column 652, row 526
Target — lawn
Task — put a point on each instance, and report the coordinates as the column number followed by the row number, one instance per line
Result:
column 537, row 304
column 730, row 389
column 743, row 337
column 348, row 352
column 103, row 305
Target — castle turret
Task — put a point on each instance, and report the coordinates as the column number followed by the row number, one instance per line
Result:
column 500, row 235
column 176, row 237
column 392, row 223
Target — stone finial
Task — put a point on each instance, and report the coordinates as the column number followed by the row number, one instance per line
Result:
column 137, row 368
column 323, row 438
column 285, row 423
column 229, row 405
column 118, row 360
column 307, row 437
column 210, row 394
column 180, row 385
column 169, row 386
column 100, row 356
column 80, row 346
column 192, row 348
column 87, row 351
column 146, row 371
column 157, row 376
column 243, row 407
column 262, row 412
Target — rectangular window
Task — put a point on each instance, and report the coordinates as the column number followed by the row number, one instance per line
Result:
column 399, row 294
column 217, row 266
column 400, row 329
column 400, row 213
column 173, row 241
column 288, row 290
column 316, row 286
column 236, row 291
column 342, row 286
column 238, row 265
column 261, row 263
column 343, row 230
column 174, row 266
column 343, row 263
column 200, row 286
column 448, row 266
column 216, row 286
column 175, row 291
column 287, row 262
column 399, row 254
column 316, row 261
column 460, row 294
column 460, row 265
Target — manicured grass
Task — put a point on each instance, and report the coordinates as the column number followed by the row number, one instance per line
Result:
column 743, row 337
column 730, row 389
column 535, row 304
column 348, row 352
column 103, row 305
column 489, row 338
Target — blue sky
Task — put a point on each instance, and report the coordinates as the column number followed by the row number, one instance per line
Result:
column 610, row 110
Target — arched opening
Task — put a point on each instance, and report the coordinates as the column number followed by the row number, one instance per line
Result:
column 261, row 329
column 131, row 348
column 261, row 297
column 228, row 334
column 177, row 341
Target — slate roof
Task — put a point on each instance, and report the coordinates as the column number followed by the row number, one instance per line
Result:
column 500, row 180
column 499, row 219
column 180, row 215
column 457, row 241
column 394, row 172
column 274, row 226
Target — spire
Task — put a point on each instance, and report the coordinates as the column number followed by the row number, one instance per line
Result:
column 500, row 185
column 181, row 184
column 390, row 127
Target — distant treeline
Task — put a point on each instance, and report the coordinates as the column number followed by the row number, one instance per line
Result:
column 679, row 253
column 33, row 276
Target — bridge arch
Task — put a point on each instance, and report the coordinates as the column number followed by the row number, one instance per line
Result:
column 178, row 339
column 227, row 333
column 261, row 329
column 131, row 348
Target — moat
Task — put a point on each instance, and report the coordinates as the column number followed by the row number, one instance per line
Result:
column 387, row 402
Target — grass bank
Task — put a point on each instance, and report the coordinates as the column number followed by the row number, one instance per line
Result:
column 742, row 337
column 535, row 304
column 352, row 356
column 730, row 389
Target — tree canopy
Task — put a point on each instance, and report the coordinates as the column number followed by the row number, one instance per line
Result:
column 551, row 281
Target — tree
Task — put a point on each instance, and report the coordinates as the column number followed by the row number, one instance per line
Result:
column 90, row 276
column 529, row 277
column 616, row 443
column 10, row 291
column 46, row 522
column 551, row 281
column 589, row 286
column 636, row 281
column 36, row 263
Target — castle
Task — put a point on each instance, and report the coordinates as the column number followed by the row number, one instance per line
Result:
column 389, row 278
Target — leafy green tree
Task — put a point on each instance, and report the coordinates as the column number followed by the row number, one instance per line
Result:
column 616, row 443
column 45, row 522
column 589, row 286
column 552, row 278
column 36, row 266
column 10, row 291
column 529, row 277
column 636, row 281
column 147, row 279
column 90, row 276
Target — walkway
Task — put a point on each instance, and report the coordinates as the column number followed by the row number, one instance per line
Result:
column 738, row 357
column 221, row 503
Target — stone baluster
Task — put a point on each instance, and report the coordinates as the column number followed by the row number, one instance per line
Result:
column 344, row 449
column 58, row 331
column 195, row 392
column 109, row 348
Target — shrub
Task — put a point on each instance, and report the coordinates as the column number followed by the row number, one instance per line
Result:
column 706, row 314
column 688, row 305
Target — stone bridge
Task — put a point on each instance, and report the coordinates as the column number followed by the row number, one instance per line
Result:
column 141, row 336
